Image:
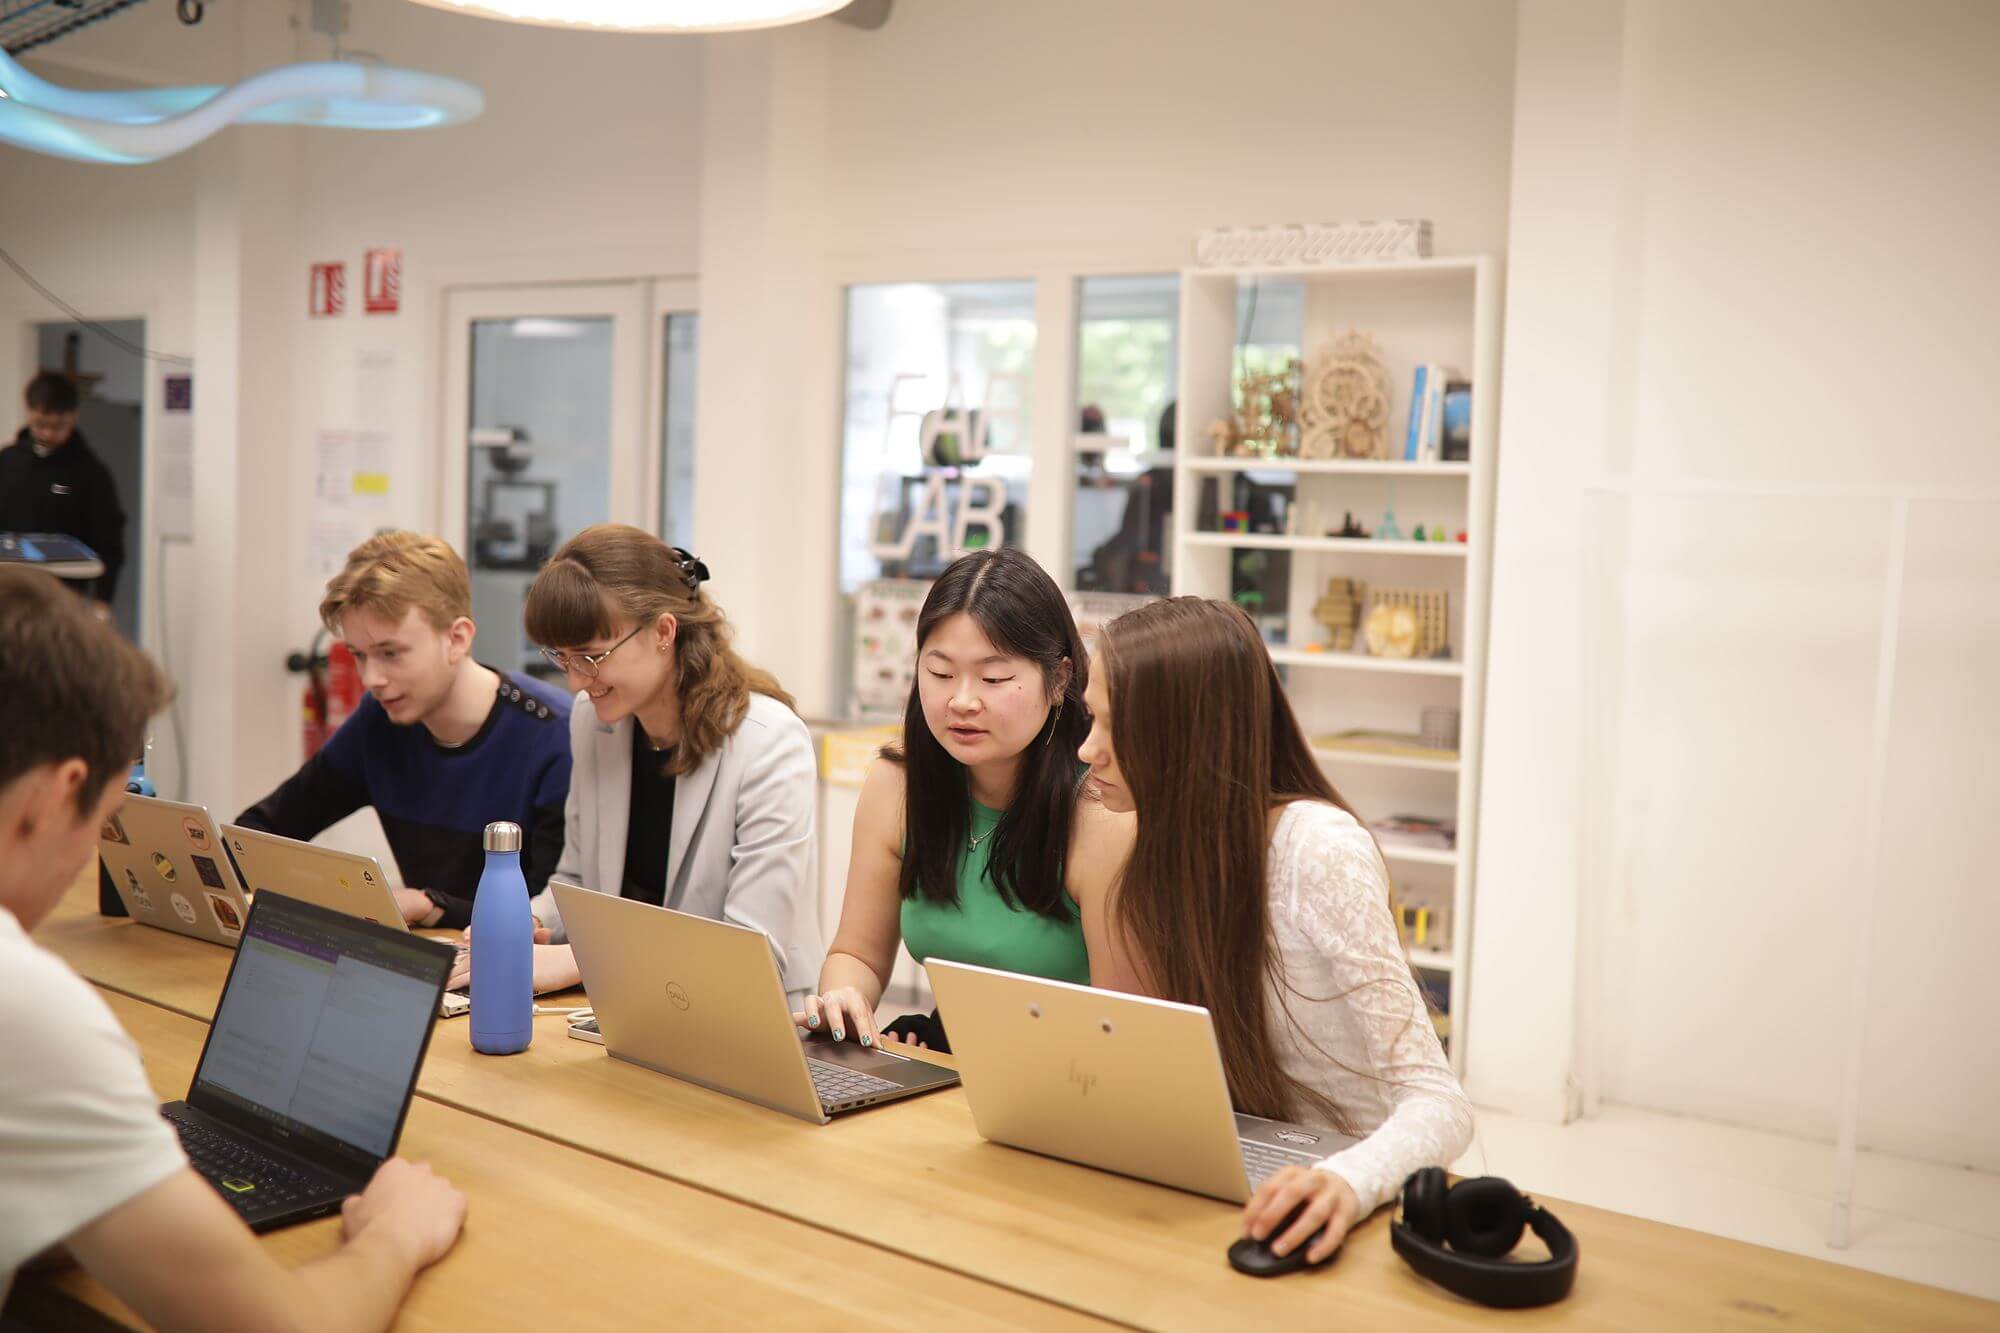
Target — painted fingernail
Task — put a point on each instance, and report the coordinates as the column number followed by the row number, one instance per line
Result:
column 838, row 1035
column 867, row 1040
column 812, row 1021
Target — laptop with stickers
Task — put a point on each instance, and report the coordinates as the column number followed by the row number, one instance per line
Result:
column 168, row 867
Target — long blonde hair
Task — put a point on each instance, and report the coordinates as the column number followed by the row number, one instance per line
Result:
column 612, row 571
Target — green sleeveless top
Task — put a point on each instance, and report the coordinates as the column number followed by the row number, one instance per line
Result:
column 983, row 930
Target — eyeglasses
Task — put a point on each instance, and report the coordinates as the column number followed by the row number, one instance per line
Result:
column 586, row 664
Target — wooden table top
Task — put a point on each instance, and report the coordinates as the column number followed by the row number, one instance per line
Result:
column 558, row 1238
column 915, row 1178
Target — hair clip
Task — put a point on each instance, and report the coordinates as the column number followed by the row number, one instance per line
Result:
column 691, row 567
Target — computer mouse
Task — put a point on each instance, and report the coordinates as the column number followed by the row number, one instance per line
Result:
column 1255, row 1258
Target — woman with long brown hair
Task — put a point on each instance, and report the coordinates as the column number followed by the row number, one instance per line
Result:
column 1254, row 891
column 692, row 781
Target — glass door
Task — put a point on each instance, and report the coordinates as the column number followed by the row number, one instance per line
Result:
column 545, row 399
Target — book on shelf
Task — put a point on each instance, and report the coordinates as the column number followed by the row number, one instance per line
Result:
column 1396, row 744
column 1416, row 831
column 1455, row 445
column 1423, row 437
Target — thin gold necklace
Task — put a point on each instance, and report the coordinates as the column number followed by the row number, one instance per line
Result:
column 972, row 844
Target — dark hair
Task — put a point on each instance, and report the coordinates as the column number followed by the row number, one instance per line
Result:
column 1022, row 612
column 610, row 571
column 70, row 688
column 51, row 391
column 1193, row 692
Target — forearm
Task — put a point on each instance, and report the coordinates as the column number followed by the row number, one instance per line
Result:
column 844, row 969
column 360, row 1286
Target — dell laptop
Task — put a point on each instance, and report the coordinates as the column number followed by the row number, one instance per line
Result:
column 166, row 861
column 701, row 1000
column 308, row 1069
column 1114, row 1081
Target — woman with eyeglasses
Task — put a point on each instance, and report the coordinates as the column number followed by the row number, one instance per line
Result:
column 974, row 839
column 692, row 781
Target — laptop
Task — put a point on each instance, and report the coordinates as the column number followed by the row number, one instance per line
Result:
column 308, row 1068
column 702, row 1001
column 1118, row 1082
column 339, row 881
column 167, row 864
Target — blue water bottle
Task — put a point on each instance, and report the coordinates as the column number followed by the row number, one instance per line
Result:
column 503, row 948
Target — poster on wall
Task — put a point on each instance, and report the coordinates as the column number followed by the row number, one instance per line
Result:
column 328, row 294
column 382, row 281
column 173, row 442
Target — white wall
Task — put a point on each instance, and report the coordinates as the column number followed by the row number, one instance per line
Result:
column 1042, row 138
column 1764, row 323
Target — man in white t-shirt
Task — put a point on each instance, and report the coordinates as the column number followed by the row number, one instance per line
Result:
column 85, row 1159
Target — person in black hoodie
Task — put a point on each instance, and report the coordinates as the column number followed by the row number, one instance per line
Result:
column 52, row 481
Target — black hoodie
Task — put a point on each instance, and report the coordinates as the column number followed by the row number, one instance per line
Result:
column 71, row 492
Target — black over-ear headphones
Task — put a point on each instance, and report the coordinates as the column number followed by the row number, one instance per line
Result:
column 1481, row 1220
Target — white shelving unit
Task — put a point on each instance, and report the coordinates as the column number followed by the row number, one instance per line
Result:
column 1444, row 311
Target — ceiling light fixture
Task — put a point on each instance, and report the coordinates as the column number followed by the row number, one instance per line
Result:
column 645, row 15
column 146, row 124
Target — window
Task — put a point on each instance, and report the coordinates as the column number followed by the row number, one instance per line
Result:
column 1127, row 355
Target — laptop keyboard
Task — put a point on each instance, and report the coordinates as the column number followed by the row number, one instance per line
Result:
column 1261, row 1161
column 838, row 1085
column 245, row 1178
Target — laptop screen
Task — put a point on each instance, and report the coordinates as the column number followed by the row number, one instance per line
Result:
column 321, row 1027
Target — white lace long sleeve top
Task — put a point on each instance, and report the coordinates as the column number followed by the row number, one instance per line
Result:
column 1351, row 995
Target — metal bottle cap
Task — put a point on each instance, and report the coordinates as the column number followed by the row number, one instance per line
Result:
column 503, row 836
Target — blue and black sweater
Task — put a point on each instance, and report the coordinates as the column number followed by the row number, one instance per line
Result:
column 435, row 801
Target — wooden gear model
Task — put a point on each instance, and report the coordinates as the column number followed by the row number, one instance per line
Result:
column 1344, row 407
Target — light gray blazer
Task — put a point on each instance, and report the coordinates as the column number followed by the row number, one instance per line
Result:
column 744, row 847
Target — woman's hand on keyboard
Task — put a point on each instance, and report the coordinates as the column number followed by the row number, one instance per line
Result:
column 843, row 1012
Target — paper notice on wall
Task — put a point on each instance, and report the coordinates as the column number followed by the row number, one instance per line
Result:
column 374, row 425
column 371, row 465
column 333, row 470
column 328, row 540
column 173, row 441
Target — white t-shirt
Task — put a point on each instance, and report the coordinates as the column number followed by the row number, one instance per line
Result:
column 80, row 1128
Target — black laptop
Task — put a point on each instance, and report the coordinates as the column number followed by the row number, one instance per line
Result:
column 310, row 1063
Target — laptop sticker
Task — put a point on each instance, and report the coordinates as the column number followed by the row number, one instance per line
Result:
column 225, row 914
column 113, row 831
column 140, row 898
column 164, row 866
column 183, row 908
column 211, row 874
column 196, row 834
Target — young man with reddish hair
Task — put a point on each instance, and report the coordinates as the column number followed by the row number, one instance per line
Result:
column 442, row 746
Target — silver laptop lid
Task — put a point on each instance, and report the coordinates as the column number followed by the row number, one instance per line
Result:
column 698, row 999
column 1119, row 1082
column 166, row 862
column 339, row 881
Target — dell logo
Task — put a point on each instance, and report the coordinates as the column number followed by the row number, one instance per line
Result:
column 677, row 995
column 1084, row 1081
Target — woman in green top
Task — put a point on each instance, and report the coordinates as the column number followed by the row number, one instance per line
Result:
column 975, row 839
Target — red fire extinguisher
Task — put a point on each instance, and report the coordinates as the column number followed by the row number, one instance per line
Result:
column 332, row 693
